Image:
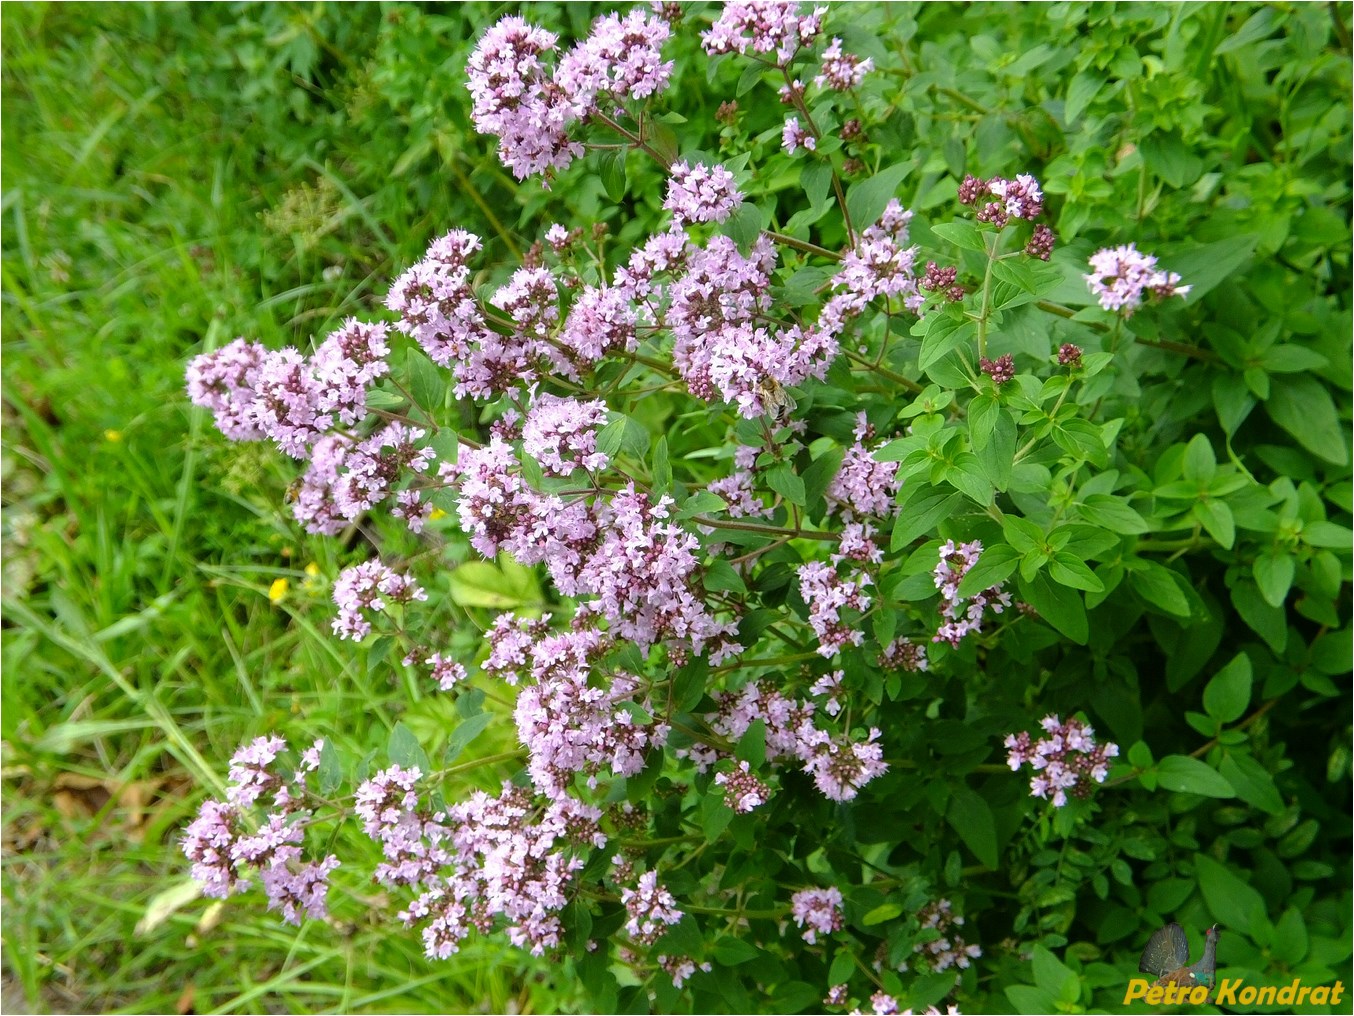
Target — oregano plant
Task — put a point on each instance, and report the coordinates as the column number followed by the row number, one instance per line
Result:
column 782, row 536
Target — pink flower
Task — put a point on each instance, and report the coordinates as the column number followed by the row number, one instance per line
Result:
column 1120, row 277
column 817, row 911
column 701, row 194
column 793, row 137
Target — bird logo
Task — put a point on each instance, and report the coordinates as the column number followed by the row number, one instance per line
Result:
column 1167, row 957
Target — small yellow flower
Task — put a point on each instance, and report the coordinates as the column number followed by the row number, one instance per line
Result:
column 277, row 590
column 112, row 435
column 435, row 514
column 313, row 570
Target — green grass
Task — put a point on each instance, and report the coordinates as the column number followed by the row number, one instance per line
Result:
column 173, row 177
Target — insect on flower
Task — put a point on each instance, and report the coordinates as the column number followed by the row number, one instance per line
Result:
column 778, row 402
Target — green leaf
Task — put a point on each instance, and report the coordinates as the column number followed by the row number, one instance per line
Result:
column 1216, row 518
column 1171, row 159
column 639, row 786
column 1022, row 534
column 1028, row 1000
column 661, row 466
column 1266, row 620
column 1199, row 463
column 403, row 749
column 379, row 398
column 701, row 503
column 688, row 684
column 866, row 201
column 922, row 513
column 466, row 731
column 844, row 963
column 1113, row 513
column 983, row 411
column 1234, row 904
column 816, row 179
column 1291, row 940
column 1205, row 266
column 611, row 437
column 1052, row 975
column 782, row 479
column 611, row 171
column 1327, row 534
column 483, row 584
column 331, row 768
column 1302, row 405
column 880, row 914
column 715, row 816
column 1060, row 606
column 820, row 473
column 961, row 233
column 1080, row 93
column 971, row 817
column 1070, row 570
column 998, row 456
column 995, row 565
column 746, row 224
column 1232, row 400
column 427, row 381
column 751, row 747
column 1291, row 359
column 1156, row 584
column 1229, row 692
column 1252, row 782
column 1190, row 776
column 943, row 335
column 1274, row 576
column 720, row 577
column 968, row 475
column 733, row 951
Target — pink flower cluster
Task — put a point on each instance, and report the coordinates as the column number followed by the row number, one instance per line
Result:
column 532, row 111
column 701, row 194
column 904, row 654
column 1122, row 277
column 763, row 26
column 794, row 136
column 650, row 909
column 827, row 594
column 229, row 837
column 719, row 348
column 863, row 487
column 1021, row 198
column 950, row 949
column 880, row 265
column 572, row 717
column 743, row 790
column 963, row 618
column 258, row 393
column 296, row 401
column 483, row 859
column 368, row 587
column 680, row 968
column 738, row 489
column 817, row 911
column 842, row 71
column 561, row 434
column 1067, row 759
column 839, row 767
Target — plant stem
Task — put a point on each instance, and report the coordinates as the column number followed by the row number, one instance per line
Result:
column 803, row 245
column 986, row 313
column 753, row 527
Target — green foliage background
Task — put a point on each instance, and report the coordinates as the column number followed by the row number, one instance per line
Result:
column 177, row 175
